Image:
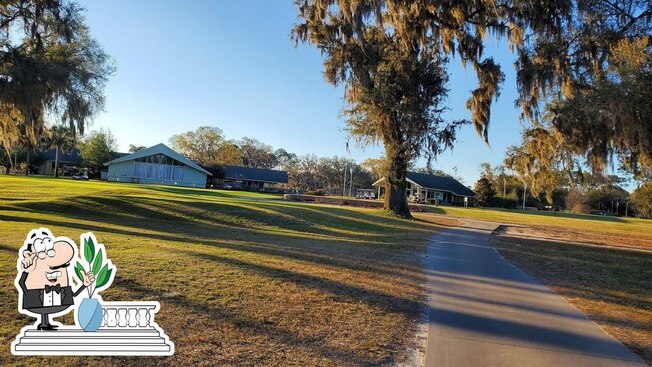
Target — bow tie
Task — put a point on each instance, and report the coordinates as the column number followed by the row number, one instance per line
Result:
column 56, row 288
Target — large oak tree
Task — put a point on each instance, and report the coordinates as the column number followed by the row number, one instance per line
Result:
column 391, row 56
column 50, row 67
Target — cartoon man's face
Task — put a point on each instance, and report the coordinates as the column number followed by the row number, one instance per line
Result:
column 50, row 258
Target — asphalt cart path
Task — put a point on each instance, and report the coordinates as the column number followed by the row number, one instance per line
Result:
column 486, row 312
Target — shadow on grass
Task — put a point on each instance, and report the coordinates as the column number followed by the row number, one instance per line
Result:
column 253, row 327
column 345, row 239
column 613, row 283
column 347, row 225
column 209, row 192
column 591, row 217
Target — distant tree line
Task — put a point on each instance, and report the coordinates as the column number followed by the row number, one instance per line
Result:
column 578, row 192
column 208, row 146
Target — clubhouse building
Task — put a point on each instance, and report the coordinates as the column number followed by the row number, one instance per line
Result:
column 445, row 189
column 255, row 179
column 158, row 164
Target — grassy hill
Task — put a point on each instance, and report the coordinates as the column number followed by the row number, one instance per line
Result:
column 241, row 278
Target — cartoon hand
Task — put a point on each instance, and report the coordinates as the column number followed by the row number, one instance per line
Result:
column 29, row 263
column 89, row 278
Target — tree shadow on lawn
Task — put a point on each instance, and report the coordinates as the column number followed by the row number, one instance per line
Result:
column 191, row 309
column 182, row 312
column 247, row 216
column 177, row 327
column 543, row 213
column 315, row 251
column 209, row 192
column 611, row 275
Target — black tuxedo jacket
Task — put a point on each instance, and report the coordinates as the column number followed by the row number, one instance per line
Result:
column 33, row 298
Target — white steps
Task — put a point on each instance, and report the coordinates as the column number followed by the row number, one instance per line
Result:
column 107, row 341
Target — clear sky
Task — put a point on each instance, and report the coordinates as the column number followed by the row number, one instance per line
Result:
column 231, row 64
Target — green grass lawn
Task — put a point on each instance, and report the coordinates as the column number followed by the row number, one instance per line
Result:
column 583, row 222
column 240, row 280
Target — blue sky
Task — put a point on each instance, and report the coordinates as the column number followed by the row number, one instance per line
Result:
column 231, row 64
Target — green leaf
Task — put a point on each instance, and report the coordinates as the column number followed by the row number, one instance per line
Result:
column 97, row 263
column 89, row 249
column 103, row 276
column 78, row 271
column 105, row 279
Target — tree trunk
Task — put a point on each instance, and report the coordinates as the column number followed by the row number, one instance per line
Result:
column 10, row 163
column 395, row 185
column 27, row 162
column 56, row 162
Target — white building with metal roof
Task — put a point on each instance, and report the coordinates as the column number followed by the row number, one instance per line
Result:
column 158, row 164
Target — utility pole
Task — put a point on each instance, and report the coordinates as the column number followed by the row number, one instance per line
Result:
column 344, row 183
column 504, row 187
column 524, row 193
column 351, row 182
column 626, row 207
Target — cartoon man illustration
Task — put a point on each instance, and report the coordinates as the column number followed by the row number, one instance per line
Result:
column 44, row 279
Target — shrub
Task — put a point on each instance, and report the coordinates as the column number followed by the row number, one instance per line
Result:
column 504, row 202
column 484, row 191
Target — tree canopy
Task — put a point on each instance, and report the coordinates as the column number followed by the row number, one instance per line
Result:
column 391, row 56
column 590, row 83
column 96, row 149
column 201, row 145
column 49, row 66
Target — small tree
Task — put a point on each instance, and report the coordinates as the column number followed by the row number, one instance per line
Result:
column 642, row 200
column 97, row 149
column 62, row 139
column 484, row 191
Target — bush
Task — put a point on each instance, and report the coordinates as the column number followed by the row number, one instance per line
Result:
column 504, row 202
column 318, row 192
column 484, row 191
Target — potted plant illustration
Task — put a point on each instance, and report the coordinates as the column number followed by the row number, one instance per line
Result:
column 89, row 312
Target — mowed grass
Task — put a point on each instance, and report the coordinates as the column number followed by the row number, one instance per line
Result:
column 241, row 279
column 592, row 228
column 612, row 286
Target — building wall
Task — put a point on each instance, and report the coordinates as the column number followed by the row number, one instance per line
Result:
column 121, row 172
column 124, row 171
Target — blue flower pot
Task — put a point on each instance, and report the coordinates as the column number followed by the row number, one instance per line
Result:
column 89, row 314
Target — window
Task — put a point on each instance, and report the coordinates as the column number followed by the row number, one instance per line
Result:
column 158, row 167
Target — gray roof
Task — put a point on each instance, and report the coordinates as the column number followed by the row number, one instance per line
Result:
column 156, row 149
column 255, row 174
column 72, row 156
column 443, row 183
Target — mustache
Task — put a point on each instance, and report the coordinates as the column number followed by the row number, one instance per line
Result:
column 60, row 266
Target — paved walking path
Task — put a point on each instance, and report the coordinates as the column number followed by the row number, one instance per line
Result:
column 486, row 312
